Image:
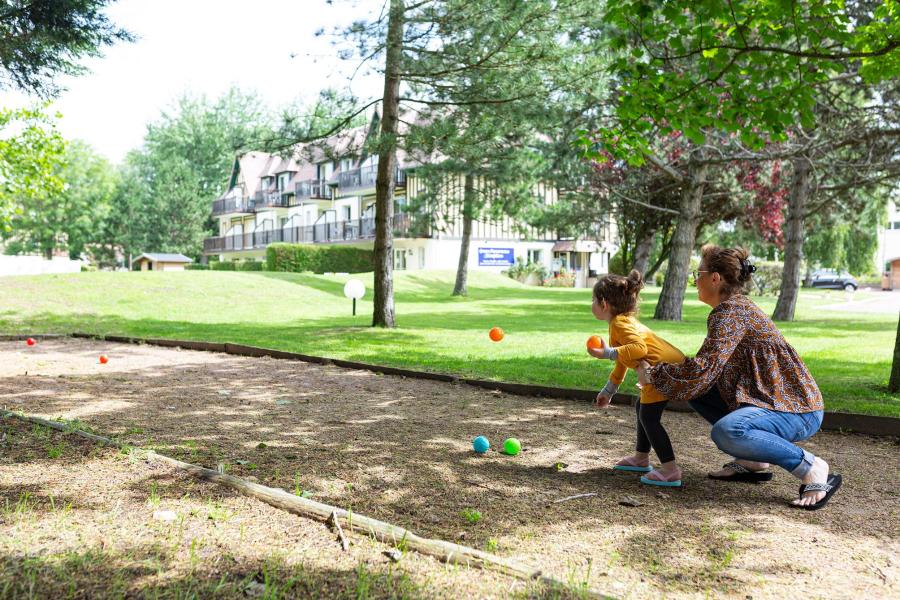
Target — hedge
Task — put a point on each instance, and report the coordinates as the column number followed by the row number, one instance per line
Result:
column 243, row 265
column 296, row 258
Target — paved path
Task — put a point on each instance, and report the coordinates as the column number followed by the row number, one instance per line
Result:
column 877, row 302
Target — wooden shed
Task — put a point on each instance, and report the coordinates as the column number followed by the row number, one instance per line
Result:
column 162, row 262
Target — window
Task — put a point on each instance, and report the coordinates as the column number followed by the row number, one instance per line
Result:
column 400, row 259
column 421, row 258
column 324, row 170
column 896, row 224
column 347, row 213
column 346, row 164
column 535, row 256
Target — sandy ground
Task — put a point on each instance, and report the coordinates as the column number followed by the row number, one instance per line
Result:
column 399, row 450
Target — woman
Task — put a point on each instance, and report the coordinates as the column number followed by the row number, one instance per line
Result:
column 749, row 383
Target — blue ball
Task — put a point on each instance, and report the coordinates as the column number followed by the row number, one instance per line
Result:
column 481, row 444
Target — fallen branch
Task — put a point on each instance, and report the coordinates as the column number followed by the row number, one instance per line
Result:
column 345, row 545
column 567, row 498
column 444, row 551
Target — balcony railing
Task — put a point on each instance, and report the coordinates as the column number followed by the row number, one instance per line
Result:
column 270, row 199
column 312, row 188
column 404, row 225
column 364, row 178
column 231, row 205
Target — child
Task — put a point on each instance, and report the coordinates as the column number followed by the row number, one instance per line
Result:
column 615, row 301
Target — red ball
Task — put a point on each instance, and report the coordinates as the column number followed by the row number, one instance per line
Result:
column 103, row 359
column 30, row 341
column 496, row 334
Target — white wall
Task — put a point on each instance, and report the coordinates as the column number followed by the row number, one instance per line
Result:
column 889, row 238
column 444, row 254
column 37, row 265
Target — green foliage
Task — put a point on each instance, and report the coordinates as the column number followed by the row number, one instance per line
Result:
column 223, row 266
column 767, row 279
column 197, row 267
column 521, row 270
column 298, row 258
column 843, row 241
column 68, row 218
column 31, row 155
column 750, row 68
column 165, row 199
column 40, row 40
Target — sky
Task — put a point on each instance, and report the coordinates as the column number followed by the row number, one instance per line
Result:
column 203, row 47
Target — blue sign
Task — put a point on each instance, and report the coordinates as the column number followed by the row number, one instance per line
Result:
column 496, row 257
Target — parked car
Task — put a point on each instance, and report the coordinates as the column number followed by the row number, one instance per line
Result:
column 832, row 279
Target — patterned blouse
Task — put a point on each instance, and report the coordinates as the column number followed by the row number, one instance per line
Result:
column 749, row 360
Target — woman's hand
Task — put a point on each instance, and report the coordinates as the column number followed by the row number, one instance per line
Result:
column 641, row 370
column 602, row 400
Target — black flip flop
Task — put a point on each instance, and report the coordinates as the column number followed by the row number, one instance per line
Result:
column 742, row 473
column 834, row 482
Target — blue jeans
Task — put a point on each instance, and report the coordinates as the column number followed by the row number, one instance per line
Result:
column 760, row 434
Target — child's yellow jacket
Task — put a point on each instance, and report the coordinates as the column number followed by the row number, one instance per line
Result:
column 634, row 343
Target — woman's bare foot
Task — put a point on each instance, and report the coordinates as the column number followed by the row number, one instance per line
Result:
column 817, row 474
column 750, row 465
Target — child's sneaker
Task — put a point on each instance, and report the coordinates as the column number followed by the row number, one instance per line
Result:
column 629, row 463
column 656, row 478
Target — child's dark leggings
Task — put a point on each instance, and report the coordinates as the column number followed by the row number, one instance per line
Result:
column 651, row 433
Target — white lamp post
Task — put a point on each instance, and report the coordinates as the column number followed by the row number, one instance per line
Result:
column 354, row 289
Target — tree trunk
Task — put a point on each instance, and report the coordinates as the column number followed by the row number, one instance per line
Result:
column 672, row 296
column 642, row 250
column 462, row 269
column 793, row 250
column 663, row 255
column 383, row 314
column 894, row 383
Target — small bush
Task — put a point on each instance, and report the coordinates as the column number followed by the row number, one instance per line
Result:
column 561, row 280
column 297, row 258
column 767, row 279
column 196, row 267
column 250, row 265
column 222, row 266
column 521, row 271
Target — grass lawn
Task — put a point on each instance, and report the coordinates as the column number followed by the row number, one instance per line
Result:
column 849, row 354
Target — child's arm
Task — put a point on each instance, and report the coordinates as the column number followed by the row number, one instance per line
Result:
column 633, row 346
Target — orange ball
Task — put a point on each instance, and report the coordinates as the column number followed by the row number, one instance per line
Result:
column 594, row 342
column 103, row 359
column 496, row 334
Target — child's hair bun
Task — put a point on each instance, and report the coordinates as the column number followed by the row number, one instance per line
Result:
column 635, row 281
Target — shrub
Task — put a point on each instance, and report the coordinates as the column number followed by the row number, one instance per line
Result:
column 767, row 279
column 250, row 265
column 296, row 258
column 196, row 267
column 561, row 280
column 222, row 266
column 520, row 271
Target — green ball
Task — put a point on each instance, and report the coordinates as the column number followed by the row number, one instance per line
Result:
column 512, row 446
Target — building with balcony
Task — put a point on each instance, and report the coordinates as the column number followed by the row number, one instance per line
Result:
column 888, row 255
column 326, row 195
